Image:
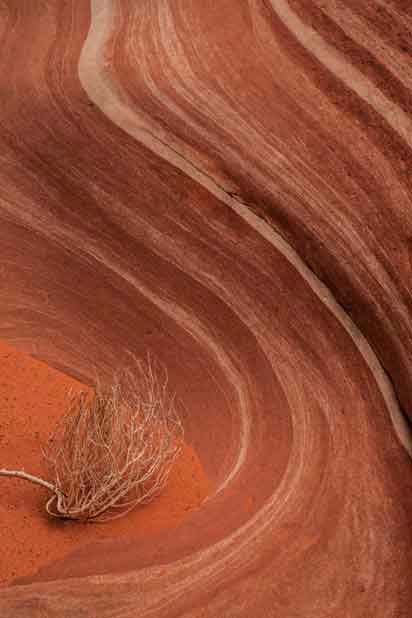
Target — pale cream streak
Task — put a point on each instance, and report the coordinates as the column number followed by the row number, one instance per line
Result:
column 270, row 514
column 252, row 135
column 104, row 95
column 188, row 321
column 333, row 60
column 400, row 15
column 282, row 496
column 185, row 320
column 179, row 73
column 207, row 100
column 359, row 31
column 102, row 91
column 275, row 348
column 307, row 182
column 200, row 97
column 245, row 306
column 288, row 483
column 308, row 189
column 237, row 549
column 285, row 500
column 204, row 337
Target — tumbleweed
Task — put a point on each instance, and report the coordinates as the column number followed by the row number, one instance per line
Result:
column 113, row 449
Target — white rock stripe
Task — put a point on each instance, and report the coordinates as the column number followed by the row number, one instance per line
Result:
column 357, row 29
column 103, row 93
column 353, row 79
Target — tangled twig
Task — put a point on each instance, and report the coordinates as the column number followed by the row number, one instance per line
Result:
column 113, row 450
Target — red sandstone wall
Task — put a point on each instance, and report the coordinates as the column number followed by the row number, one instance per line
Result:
column 184, row 176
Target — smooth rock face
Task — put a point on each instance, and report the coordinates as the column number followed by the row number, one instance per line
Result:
column 174, row 175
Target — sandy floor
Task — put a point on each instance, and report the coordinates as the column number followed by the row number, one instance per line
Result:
column 32, row 395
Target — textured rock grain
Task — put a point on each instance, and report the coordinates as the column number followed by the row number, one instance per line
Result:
column 182, row 176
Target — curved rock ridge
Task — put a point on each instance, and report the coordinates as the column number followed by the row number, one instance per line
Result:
column 198, row 178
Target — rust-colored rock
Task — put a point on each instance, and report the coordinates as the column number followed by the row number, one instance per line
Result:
column 197, row 178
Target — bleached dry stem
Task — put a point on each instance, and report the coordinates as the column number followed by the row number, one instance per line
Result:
column 29, row 477
column 114, row 450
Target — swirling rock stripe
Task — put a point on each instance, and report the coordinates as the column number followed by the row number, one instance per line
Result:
column 133, row 164
column 312, row 140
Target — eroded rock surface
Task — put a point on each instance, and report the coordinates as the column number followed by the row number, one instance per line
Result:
column 183, row 176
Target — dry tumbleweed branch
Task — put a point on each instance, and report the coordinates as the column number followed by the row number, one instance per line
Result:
column 113, row 450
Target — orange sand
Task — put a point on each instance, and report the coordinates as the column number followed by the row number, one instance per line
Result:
column 32, row 397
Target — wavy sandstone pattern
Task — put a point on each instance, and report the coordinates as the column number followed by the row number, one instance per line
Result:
column 182, row 175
